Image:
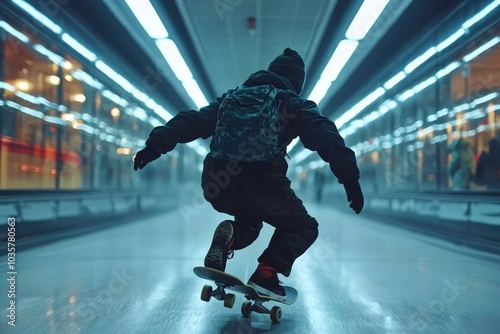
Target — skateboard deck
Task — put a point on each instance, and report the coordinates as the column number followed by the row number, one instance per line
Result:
column 226, row 281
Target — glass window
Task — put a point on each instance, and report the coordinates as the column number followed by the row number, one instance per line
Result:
column 29, row 150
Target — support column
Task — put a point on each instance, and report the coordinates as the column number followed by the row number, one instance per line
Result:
column 59, row 162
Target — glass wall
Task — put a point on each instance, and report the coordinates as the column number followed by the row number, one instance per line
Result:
column 61, row 128
column 439, row 131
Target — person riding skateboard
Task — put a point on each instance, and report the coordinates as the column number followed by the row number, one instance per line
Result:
column 244, row 174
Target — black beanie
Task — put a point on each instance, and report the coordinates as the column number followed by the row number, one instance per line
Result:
column 290, row 65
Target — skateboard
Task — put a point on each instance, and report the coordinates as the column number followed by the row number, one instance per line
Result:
column 255, row 300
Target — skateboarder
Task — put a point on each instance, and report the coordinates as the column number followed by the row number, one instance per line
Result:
column 244, row 175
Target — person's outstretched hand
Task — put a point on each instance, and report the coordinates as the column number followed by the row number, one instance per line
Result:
column 354, row 195
column 145, row 156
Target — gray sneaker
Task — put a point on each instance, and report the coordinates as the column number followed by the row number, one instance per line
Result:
column 219, row 250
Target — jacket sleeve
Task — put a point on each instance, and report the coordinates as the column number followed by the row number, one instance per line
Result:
column 185, row 127
column 318, row 133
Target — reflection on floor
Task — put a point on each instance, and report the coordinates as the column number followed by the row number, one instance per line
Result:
column 359, row 277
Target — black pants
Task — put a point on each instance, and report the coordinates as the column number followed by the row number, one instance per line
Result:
column 260, row 192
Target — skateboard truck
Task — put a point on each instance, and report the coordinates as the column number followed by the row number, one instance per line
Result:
column 220, row 294
column 246, row 308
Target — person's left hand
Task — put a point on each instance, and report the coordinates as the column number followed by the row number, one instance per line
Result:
column 145, row 156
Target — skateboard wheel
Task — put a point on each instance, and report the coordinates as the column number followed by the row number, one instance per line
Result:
column 276, row 314
column 229, row 300
column 206, row 293
column 245, row 308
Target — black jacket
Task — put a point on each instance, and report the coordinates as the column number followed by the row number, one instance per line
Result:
column 298, row 116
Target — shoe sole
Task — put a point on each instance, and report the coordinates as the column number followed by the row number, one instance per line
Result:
column 216, row 259
column 264, row 292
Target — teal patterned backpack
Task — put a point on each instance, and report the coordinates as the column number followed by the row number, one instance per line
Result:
column 247, row 126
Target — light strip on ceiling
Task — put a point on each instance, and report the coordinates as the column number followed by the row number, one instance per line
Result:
column 358, row 107
column 79, row 47
column 174, row 59
column 195, row 93
column 481, row 49
column 450, row 68
column 8, row 28
column 320, row 90
column 148, row 18
column 395, row 80
column 339, row 59
column 481, row 15
column 450, row 40
column 78, row 74
column 38, row 16
column 124, row 83
column 366, row 16
column 420, row 60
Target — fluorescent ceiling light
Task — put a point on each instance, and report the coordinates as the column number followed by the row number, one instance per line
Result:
column 339, row 58
column 148, row 18
column 160, row 111
column 371, row 117
column 151, row 104
column 195, row 93
column 49, row 54
column 431, row 118
column 78, row 47
column 140, row 114
column 450, row 40
column 14, row 32
column 115, row 98
column 482, row 49
column 6, row 86
column 395, row 80
column 319, row 91
column 38, row 16
column 46, row 102
column 26, row 110
column 479, row 16
column 367, row 15
column 124, row 83
column 83, row 76
column 28, row 97
column 174, row 59
column 360, row 106
column 448, row 69
column 154, row 122
column 424, row 84
column 484, row 99
column 387, row 106
column 140, row 95
column 406, row 95
column 420, row 60
column 442, row 112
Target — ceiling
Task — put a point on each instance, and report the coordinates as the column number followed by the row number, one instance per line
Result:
column 230, row 50
column 222, row 51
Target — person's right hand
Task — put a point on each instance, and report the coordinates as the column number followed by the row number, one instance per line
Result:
column 354, row 195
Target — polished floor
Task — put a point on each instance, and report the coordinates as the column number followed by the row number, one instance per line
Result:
column 359, row 277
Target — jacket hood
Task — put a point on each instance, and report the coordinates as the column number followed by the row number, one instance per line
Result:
column 269, row 78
